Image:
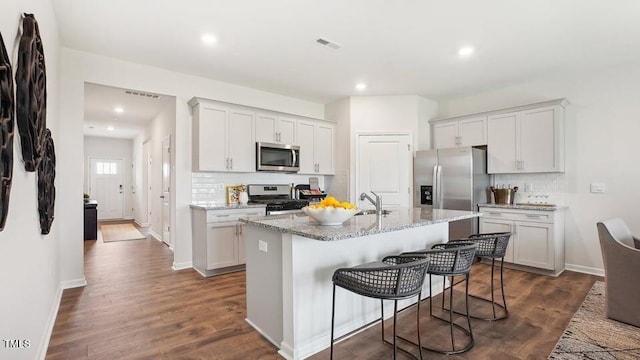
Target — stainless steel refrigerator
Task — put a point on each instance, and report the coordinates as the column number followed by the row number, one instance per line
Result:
column 455, row 179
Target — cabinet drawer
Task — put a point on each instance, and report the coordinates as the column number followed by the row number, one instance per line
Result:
column 521, row 215
column 232, row 214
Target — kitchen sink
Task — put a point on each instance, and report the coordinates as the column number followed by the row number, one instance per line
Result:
column 373, row 212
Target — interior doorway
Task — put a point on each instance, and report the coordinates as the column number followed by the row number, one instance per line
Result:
column 166, row 191
column 107, row 187
column 383, row 165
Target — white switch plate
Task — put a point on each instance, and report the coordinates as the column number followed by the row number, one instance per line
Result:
column 597, row 188
column 263, row 246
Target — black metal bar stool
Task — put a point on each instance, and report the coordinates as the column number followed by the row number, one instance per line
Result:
column 394, row 278
column 490, row 246
column 449, row 260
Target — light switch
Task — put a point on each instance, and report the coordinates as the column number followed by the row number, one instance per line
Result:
column 263, row 246
column 597, row 188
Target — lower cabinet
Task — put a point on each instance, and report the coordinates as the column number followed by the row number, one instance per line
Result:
column 218, row 242
column 537, row 238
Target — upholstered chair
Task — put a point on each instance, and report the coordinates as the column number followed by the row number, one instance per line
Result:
column 621, row 256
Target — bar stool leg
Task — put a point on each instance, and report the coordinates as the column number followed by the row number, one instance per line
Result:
column 333, row 313
column 493, row 300
column 466, row 303
column 504, row 300
column 395, row 315
column 418, row 325
column 453, row 346
column 382, row 319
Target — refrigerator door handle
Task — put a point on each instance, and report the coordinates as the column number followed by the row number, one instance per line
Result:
column 440, row 190
column 436, row 190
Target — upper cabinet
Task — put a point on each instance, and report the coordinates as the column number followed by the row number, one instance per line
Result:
column 464, row 132
column 526, row 141
column 317, row 144
column 223, row 138
column 274, row 128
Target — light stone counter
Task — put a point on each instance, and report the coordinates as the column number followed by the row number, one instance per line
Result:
column 543, row 207
column 360, row 225
column 224, row 206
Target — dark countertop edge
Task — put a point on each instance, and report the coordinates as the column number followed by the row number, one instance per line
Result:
column 524, row 207
column 356, row 234
column 226, row 207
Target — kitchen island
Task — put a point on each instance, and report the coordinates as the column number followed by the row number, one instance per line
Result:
column 291, row 260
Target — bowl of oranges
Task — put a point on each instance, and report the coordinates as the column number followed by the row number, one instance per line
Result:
column 331, row 211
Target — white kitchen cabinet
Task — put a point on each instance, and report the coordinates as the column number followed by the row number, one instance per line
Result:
column 463, row 132
column 223, row 138
column 527, row 141
column 317, row 147
column 217, row 239
column 274, row 128
column 537, row 239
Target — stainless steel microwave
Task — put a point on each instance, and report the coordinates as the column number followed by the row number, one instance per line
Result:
column 277, row 157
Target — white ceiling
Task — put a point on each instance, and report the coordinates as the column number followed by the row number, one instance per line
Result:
column 138, row 110
column 396, row 47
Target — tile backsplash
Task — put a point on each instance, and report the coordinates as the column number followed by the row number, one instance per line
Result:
column 209, row 187
column 551, row 185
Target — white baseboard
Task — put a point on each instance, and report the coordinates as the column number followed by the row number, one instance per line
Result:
column 262, row 333
column 182, row 265
column 155, row 235
column 140, row 224
column 70, row 284
column 51, row 320
column 584, row 269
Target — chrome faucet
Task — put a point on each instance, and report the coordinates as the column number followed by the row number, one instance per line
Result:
column 377, row 202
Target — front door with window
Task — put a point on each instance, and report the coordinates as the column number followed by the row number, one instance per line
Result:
column 107, row 187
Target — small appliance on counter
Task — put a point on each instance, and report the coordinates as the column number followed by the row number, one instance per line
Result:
column 276, row 197
column 305, row 192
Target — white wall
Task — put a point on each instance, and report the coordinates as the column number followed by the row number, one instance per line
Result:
column 80, row 67
column 601, row 141
column 340, row 112
column 30, row 262
column 101, row 147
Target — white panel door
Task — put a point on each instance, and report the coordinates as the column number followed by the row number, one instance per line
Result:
column 286, row 130
column 166, row 191
column 107, row 187
column 488, row 225
column 306, row 141
column 266, row 128
column 242, row 147
column 502, row 134
column 384, row 167
column 222, row 246
column 538, row 149
column 534, row 245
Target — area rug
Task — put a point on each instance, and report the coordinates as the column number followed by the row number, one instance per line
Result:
column 120, row 232
column 590, row 335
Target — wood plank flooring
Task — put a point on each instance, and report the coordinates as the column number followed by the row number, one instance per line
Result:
column 136, row 307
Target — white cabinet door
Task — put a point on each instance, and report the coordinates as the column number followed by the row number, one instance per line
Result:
column 472, row 132
column 325, row 149
column 502, row 153
column 242, row 153
column 286, row 130
column 445, row 135
column 306, row 141
column 539, row 140
column 266, row 127
column 488, row 225
column 212, row 130
column 534, row 245
column 222, row 246
column 242, row 256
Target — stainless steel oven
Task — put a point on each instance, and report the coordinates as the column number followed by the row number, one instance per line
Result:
column 277, row 157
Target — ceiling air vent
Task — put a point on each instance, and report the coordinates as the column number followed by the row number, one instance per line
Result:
column 143, row 94
column 329, row 43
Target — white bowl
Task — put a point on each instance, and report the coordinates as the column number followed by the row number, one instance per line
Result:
column 330, row 215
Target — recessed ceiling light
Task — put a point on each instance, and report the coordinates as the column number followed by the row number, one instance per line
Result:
column 110, row 128
column 209, row 39
column 119, row 110
column 361, row 86
column 466, row 51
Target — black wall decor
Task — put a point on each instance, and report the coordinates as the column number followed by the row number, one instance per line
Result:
column 6, row 132
column 31, row 93
column 46, row 183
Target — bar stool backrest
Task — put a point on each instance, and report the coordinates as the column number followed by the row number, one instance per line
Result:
column 490, row 245
column 449, row 259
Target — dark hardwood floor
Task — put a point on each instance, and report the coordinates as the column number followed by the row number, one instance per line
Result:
column 136, row 307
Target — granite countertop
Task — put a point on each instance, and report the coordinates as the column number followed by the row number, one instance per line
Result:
column 543, row 207
column 361, row 225
column 224, row 206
